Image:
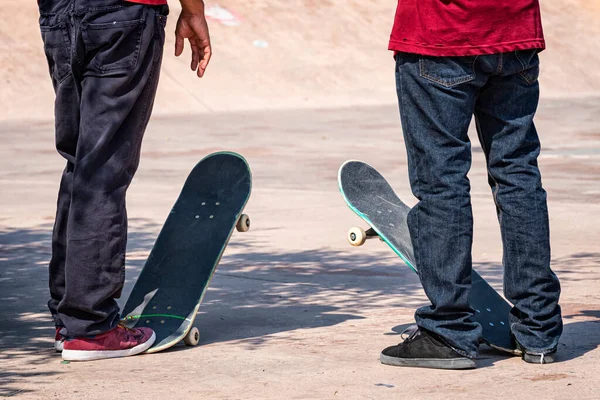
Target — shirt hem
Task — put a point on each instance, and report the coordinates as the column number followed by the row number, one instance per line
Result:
column 448, row 51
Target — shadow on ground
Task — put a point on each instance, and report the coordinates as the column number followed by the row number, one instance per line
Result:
column 26, row 329
column 254, row 297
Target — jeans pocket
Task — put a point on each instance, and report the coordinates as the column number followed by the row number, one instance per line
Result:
column 113, row 38
column 530, row 65
column 55, row 36
column 447, row 71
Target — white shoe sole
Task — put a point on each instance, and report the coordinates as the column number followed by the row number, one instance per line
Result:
column 90, row 355
column 437, row 363
column 58, row 345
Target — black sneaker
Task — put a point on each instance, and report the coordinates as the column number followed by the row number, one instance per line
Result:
column 537, row 358
column 425, row 350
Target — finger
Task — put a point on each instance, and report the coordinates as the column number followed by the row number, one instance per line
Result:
column 178, row 45
column 195, row 57
column 205, row 60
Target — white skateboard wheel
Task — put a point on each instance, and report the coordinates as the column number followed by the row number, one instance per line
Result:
column 192, row 338
column 357, row 236
column 243, row 224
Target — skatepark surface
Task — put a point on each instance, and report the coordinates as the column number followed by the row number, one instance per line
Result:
column 294, row 311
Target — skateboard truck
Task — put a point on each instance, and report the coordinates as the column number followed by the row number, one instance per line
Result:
column 358, row 236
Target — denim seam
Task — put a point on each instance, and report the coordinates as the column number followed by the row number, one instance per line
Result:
column 521, row 74
column 147, row 94
column 104, row 8
column 107, row 25
column 62, row 26
column 123, row 254
column 519, row 59
column 538, row 351
column 76, row 31
column 529, row 81
column 162, row 23
column 448, row 84
column 67, row 75
column 487, row 160
column 48, row 28
column 411, row 157
column 500, row 63
column 68, row 44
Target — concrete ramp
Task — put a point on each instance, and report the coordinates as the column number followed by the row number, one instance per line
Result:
column 271, row 54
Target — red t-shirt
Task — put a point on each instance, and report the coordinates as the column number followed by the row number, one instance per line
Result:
column 466, row 27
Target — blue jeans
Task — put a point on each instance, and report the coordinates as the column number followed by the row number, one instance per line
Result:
column 104, row 60
column 437, row 98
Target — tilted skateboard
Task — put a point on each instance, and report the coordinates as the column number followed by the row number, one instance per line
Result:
column 172, row 284
column 369, row 195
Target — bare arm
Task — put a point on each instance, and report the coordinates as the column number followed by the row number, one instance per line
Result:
column 192, row 26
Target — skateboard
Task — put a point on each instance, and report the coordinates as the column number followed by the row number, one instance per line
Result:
column 370, row 196
column 172, row 284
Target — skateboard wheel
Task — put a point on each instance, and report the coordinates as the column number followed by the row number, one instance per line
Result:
column 357, row 236
column 243, row 224
column 192, row 338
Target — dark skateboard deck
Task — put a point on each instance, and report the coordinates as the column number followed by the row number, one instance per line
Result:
column 369, row 195
column 172, row 284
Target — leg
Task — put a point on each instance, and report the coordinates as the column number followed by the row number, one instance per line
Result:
column 436, row 98
column 59, row 245
column 54, row 25
column 504, row 116
column 117, row 92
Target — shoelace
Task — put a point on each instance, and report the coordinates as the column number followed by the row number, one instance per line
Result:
column 132, row 332
column 409, row 332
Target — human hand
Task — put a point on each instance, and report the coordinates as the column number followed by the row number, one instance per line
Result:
column 192, row 26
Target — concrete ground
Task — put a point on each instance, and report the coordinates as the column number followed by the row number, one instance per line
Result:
column 294, row 311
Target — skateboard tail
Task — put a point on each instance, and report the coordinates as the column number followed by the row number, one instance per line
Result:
column 168, row 341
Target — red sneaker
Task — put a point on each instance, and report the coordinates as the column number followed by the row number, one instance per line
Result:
column 118, row 342
column 58, row 340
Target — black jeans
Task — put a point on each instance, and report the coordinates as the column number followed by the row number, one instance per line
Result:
column 104, row 58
